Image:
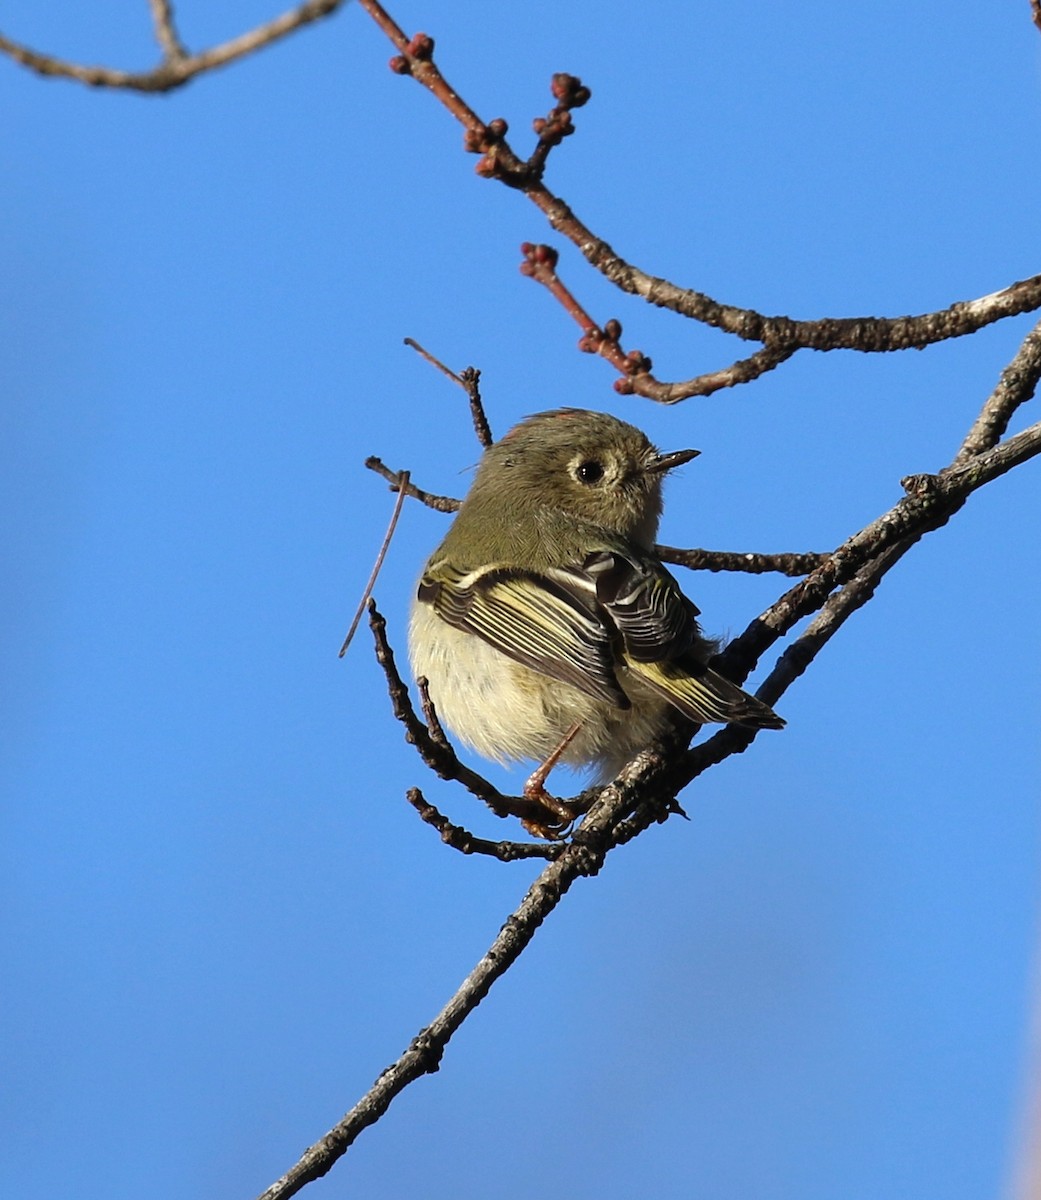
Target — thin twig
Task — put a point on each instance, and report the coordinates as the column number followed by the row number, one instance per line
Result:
column 434, row 362
column 391, row 526
column 432, row 744
column 437, row 754
column 445, row 504
column 540, row 264
column 467, row 843
column 469, row 381
column 744, row 370
column 696, row 560
column 166, row 30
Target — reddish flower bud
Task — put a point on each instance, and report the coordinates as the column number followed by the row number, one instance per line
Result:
column 539, row 257
column 569, row 90
column 562, row 84
column 421, row 46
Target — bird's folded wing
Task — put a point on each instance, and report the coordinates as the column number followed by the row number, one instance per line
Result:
column 534, row 619
column 661, row 642
column 644, row 602
column 704, row 695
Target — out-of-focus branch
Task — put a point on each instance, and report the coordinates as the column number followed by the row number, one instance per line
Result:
column 166, row 30
column 178, row 66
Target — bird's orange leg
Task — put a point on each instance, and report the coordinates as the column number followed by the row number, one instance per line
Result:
column 535, row 789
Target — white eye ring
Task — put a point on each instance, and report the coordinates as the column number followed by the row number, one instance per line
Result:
column 589, row 471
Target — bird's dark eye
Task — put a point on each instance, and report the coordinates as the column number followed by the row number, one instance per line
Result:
column 590, row 471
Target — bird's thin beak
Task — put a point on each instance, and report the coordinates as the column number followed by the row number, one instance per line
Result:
column 667, row 462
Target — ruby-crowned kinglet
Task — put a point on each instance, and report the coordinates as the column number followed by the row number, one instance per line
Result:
column 544, row 623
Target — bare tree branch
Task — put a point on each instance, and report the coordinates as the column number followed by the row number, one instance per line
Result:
column 645, row 792
column 399, row 479
column 434, row 747
column 750, row 564
column 835, row 585
column 781, row 336
column 467, row 843
column 859, row 565
column 402, row 491
column 540, row 264
column 930, row 502
column 1017, row 384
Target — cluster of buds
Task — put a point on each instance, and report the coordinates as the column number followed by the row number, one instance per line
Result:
column 497, row 160
column 539, row 259
column 635, row 363
column 485, row 140
column 607, row 341
column 569, row 92
column 420, row 48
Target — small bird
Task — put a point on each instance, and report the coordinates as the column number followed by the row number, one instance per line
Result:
column 545, row 625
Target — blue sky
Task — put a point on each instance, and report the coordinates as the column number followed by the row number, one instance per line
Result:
column 220, row 919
